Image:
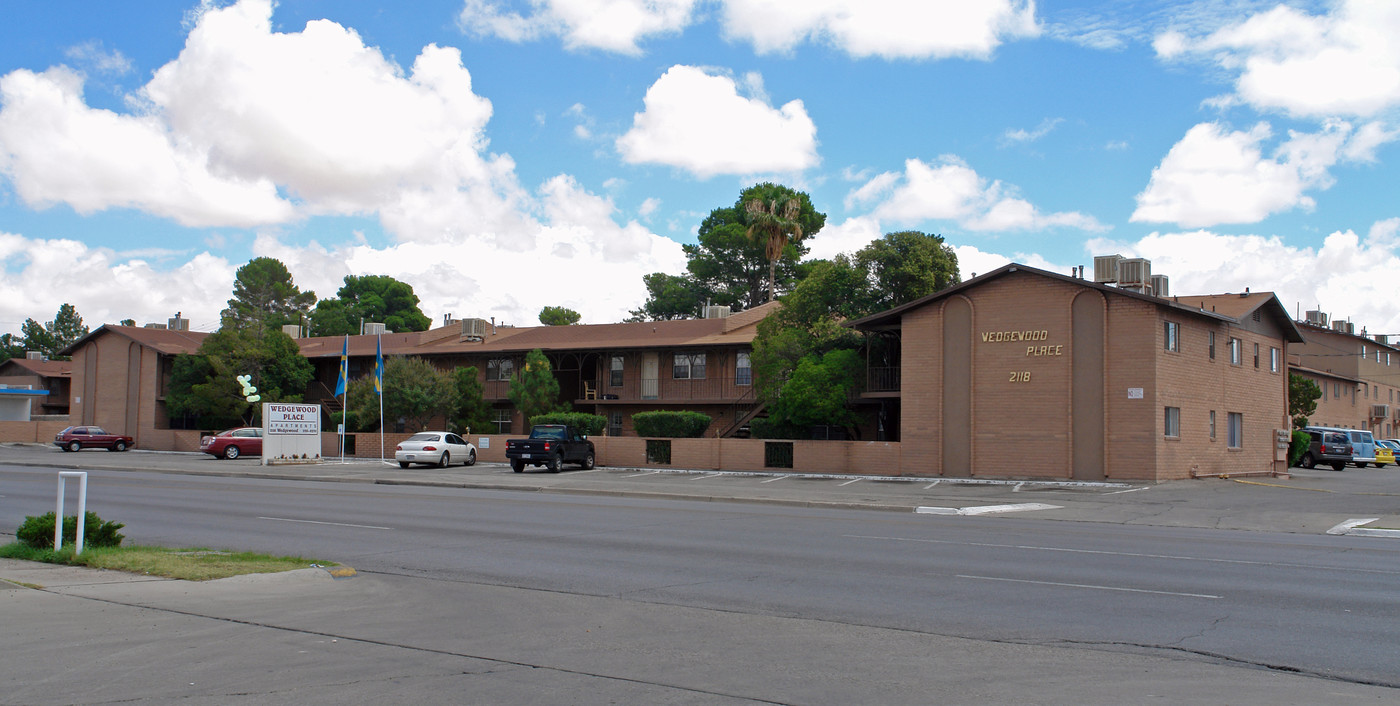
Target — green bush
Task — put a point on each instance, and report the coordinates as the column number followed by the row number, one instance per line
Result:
column 671, row 425
column 37, row 532
column 589, row 424
column 1298, row 446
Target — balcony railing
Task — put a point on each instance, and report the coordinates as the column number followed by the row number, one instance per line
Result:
column 882, row 379
column 664, row 389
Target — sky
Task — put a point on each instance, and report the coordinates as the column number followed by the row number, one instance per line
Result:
column 505, row 156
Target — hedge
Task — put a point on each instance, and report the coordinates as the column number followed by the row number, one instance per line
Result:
column 671, row 425
column 589, row 424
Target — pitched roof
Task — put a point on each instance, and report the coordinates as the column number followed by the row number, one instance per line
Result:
column 1224, row 307
column 42, row 368
column 160, row 339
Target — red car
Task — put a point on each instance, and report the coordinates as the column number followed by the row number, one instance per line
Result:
column 232, row 443
column 78, row 438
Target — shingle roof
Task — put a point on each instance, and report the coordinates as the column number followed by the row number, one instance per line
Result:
column 163, row 340
column 43, row 368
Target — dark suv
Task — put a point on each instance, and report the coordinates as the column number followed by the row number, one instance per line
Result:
column 1329, row 447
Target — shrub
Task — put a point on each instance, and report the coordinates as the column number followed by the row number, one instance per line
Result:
column 37, row 532
column 671, row 425
column 1298, row 446
column 589, row 424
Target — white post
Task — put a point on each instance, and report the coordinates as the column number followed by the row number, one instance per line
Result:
column 82, row 510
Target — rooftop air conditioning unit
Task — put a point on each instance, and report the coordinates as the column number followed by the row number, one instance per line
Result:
column 1317, row 318
column 1380, row 411
column 1160, row 286
column 1106, row 268
column 474, row 329
column 373, row 329
column 1382, row 338
column 293, row 330
column 1351, row 328
column 178, row 324
column 716, row 312
column 1134, row 272
column 33, row 355
column 1340, row 326
column 161, row 327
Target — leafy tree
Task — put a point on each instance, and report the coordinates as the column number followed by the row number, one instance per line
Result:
column 668, row 297
column 413, row 390
column 127, row 322
column 558, row 316
column 1303, row 394
column 473, row 411
column 905, row 266
column 50, row 338
column 743, row 256
column 369, row 298
column 535, row 390
column 264, row 297
column 205, row 385
column 816, row 393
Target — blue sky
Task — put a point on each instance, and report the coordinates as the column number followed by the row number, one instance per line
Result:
column 505, row 156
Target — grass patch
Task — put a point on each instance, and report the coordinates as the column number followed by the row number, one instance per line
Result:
column 187, row 564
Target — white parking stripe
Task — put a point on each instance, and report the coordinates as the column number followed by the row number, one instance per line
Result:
column 1086, row 585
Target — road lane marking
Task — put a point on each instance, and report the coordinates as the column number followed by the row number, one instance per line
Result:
column 318, row 522
column 984, row 509
column 1088, row 585
column 1138, row 555
column 1129, row 490
column 1347, row 526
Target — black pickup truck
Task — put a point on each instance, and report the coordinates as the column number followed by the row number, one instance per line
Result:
column 550, row 445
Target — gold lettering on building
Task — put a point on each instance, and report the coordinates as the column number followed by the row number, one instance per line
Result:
column 1038, row 351
column 1013, row 336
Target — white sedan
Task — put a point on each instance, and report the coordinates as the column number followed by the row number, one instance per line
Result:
column 435, row 448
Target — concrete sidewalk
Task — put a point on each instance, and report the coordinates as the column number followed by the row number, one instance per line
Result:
column 1311, row 501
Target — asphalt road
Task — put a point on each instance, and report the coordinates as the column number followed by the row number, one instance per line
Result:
column 1256, row 604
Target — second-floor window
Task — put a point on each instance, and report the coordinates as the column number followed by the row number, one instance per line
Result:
column 1273, row 359
column 615, row 372
column 743, row 370
column 689, row 366
column 499, row 369
column 1210, row 343
column 1171, row 335
column 1236, row 352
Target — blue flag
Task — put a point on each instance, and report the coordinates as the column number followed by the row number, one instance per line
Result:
column 344, row 368
column 378, row 367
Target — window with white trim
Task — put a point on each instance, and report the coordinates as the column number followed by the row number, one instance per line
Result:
column 689, row 366
column 1212, row 425
column 743, row 369
column 501, row 419
column 499, row 369
column 1171, row 336
column 1236, row 352
column 1273, row 359
column 615, row 372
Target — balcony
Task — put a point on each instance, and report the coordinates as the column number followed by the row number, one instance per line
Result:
column 882, row 379
column 633, row 390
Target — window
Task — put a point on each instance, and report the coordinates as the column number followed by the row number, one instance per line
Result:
column 1210, row 343
column 1171, row 336
column 1273, row 359
column 1236, row 352
column 1236, row 430
column 499, row 369
column 689, row 366
column 1212, row 425
column 1336, row 390
column 615, row 424
column 1256, row 356
column 501, row 418
column 1173, row 427
column 615, row 372
column 743, row 370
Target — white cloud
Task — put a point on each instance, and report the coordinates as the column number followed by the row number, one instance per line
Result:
column 700, row 122
column 1022, row 136
column 607, row 25
column 249, row 126
column 890, row 29
column 55, row 149
column 1348, row 276
column 951, row 190
column 1345, row 62
column 845, row 237
column 95, row 57
column 1215, row 176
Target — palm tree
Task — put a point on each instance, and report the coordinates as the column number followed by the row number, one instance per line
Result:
column 776, row 221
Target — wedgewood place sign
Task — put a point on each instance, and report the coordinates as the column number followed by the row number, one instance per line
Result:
column 292, row 418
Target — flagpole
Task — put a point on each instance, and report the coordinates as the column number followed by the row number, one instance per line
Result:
column 379, row 371
column 344, row 386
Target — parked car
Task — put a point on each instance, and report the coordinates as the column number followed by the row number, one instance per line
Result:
column 1363, row 447
column 1329, row 446
column 232, row 443
column 435, row 448
column 1384, row 454
column 90, row 437
column 550, row 445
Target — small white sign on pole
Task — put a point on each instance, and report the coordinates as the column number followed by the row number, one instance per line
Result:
column 291, row 432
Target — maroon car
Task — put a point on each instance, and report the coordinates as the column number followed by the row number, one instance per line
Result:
column 232, row 443
column 78, row 438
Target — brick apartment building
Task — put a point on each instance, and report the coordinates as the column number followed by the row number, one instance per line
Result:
column 1027, row 373
column 1359, row 376
column 52, row 376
